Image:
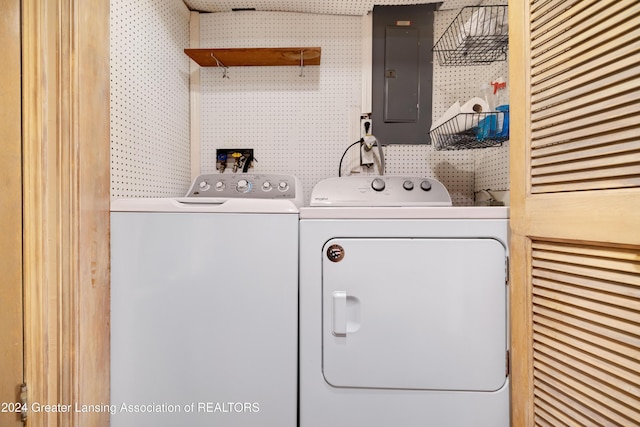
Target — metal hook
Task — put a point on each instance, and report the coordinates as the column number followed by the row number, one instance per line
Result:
column 225, row 69
column 301, row 63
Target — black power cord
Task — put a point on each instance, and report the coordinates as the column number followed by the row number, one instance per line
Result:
column 360, row 141
column 247, row 161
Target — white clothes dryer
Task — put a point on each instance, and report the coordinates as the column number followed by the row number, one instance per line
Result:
column 403, row 307
column 204, row 305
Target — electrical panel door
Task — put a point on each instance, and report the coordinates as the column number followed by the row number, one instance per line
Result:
column 402, row 73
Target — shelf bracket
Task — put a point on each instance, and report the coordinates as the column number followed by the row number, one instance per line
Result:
column 225, row 69
column 301, row 63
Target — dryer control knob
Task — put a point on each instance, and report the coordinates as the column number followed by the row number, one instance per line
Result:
column 378, row 184
column 242, row 186
column 407, row 185
column 220, row 186
column 425, row 185
column 266, row 186
column 204, row 185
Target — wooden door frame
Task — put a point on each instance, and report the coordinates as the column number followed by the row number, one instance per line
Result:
column 65, row 51
column 520, row 300
column 11, row 350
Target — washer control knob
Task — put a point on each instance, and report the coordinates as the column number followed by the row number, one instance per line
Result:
column 266, row 186
column 407, row 185
column 242, row 186
column 220, row 186
column 378, row 184
column 204, row 185
column 283, row 186
column 425, row 185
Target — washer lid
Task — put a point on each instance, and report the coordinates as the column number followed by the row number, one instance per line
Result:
column 380, row 191
column 207, row 205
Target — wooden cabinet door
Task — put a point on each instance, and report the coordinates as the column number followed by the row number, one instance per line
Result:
column 11, row 340
column 575, row 218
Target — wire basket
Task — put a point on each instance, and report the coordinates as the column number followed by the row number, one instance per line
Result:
column 472, row 130
column 478, row 34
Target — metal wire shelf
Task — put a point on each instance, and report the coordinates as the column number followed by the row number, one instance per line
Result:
column 472, row 130
column 477, row 35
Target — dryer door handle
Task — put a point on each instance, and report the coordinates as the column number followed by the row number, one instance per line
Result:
column 340, row 313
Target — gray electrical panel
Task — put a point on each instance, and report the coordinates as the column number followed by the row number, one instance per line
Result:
column 402, row 73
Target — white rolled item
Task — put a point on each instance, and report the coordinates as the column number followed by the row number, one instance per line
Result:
column 474, row 105
column 452, row 112
column 463, row 122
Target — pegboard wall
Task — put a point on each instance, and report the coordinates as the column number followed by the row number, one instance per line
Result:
column 302, row 125
column 297, row 125
column 490, row 166
column 329, row 7
column 149, row 98
column 462, row 172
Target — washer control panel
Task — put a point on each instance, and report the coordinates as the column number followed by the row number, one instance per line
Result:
column 380, row 191
column 248, row 186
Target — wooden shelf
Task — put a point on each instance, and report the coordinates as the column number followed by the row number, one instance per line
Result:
column 247, row 57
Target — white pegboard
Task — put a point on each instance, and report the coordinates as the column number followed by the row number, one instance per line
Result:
column 297, row 125
column 454, row 169
column 492, row 168
column 332, row 7
column 302, row 125
column 149, row 98
column 459, row 4
column 492, row 165
column 461, row 83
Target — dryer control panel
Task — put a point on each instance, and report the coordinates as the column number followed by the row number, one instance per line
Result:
column 380, row 191
column 245, row 186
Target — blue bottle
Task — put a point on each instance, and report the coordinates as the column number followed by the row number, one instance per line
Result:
column 504, row 132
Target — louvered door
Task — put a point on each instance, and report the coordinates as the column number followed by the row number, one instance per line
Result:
column 575, row 218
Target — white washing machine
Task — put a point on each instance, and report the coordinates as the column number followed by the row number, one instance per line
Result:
column 403, row 307
column 204, row 305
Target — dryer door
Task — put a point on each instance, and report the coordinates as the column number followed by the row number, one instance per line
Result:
column 415, row 313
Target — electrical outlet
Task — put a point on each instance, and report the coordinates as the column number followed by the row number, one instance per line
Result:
column 365, row 125
column 366, row 157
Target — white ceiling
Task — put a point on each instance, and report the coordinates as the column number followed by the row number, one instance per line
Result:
column 329, row 7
